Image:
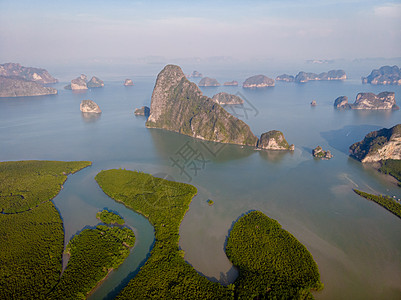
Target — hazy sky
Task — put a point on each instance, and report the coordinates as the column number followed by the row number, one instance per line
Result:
column 32, row 32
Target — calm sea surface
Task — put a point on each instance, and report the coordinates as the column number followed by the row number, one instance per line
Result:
column 356, row 243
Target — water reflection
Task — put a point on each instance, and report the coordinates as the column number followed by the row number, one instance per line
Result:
column 171, row 145
column 90, row 117
column 274, row 156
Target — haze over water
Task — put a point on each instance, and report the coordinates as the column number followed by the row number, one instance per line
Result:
column 356, row 243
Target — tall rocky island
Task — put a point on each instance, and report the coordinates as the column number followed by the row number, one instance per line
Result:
column 378, row 146
column 178, row 105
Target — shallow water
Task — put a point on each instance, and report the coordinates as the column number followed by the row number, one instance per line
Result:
column 356, row 243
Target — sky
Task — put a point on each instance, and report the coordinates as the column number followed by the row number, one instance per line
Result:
column 61, row 32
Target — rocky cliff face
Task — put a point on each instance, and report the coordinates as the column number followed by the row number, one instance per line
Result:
column 303, row 77
column 128, row 82
column 384, row 100
column 95, row 83
column 207, row 81
column 178, row 105
column 225, row 98
column 274, row 140
column 18, row 87
column 27, row 73
column 342, row 103
column 378, row 145
column 89, row 106
column 384, row 75
column 258, row 81
column 78, row 83
column 286, row 78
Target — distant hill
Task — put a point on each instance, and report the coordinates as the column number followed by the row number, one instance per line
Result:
column 384, row 75
column 303, row 77
column 27, row 73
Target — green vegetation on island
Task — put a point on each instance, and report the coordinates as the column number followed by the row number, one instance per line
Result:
column 272, row 263
column 393, row 168
column 31, row 240
column 378, row 146
column 178, row 105
column 385, row 201
column 94, row 253
column 109, row 217
column 165, row 275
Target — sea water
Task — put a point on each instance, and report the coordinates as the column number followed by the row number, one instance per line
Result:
column 355, row 242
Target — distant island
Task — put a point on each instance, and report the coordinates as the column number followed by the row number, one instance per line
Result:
column 196, row 74
column 27, row 73
column 95, row 83
column 378, row 146
column 382, row 101
column 286, row 78
column 231, row 83
column 318, row 152
column 20, row 81
column 303, row 77
column 20, row 87
column 89, row 106
column 207, row 81
column 258, row 81
column 128, row 82
column 225, row 98
column 81, row 83
column 383, row 76
column 274, row 140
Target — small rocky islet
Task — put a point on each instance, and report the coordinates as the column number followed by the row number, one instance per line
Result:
column 128, row 82
column 318, row 152
column 89, row 106
column 274, row 140
column 81, row 83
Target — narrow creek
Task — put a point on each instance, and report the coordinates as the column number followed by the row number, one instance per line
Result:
column 78, row 202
